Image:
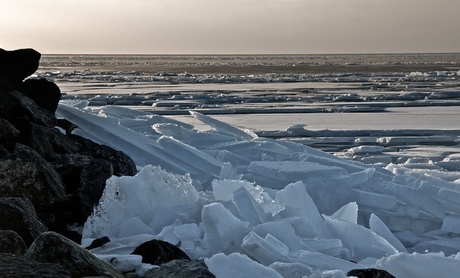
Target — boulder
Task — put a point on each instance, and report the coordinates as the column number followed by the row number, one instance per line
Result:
column 48, row 142
column 8, row 135
column 180, row 269
column 122, row 164
column 92, row 183
column 18, row 64
column 25, row 174
column 11, row 242
column 369, row 273
column 45, row 93
column 19, row 215
column 51, row 247
column 98, row 242
column 158, row 252
column 69, row 167
column 18, row 266
column 19, row 110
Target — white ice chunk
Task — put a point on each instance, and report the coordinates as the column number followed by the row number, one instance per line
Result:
column 222, row 230
column 328, row 246
column 318, row 261
column 348, row 212
column 238, row 265
column 291, row 270
column 265, row 250
column 297, row 202
column 223, row 191
column 222, row 127
column 189, row 154
column 379, row 227
column 247, row 207
column 127, row 197
column 420, row 265
column 451, row 224
column 366, row 149
column 361, row 242
column 375, row 200
column 292, row 171
column 284, row 232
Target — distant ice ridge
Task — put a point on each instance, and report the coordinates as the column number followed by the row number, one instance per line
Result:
column 170, row 77
column 269, row 207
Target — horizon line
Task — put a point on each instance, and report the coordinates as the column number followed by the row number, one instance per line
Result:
column 250, row 54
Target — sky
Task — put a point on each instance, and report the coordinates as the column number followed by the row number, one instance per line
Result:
column 231, row 26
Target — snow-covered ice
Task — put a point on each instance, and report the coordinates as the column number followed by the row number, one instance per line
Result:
column 274, row 208
column 277, row 174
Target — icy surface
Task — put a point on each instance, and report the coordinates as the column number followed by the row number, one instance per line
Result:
column 265, row 207
column 273, row 211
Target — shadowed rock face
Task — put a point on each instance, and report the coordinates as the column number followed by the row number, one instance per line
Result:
column 158, row 252
column 16, row 65
column 49, row 179
column 18, row 266
column 51, row 247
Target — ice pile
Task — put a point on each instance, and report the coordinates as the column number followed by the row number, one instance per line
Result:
column 257, row 207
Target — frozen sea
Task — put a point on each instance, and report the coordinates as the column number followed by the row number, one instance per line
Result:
column 282, row 165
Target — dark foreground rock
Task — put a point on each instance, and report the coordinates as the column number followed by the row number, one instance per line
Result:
column 18, row 214
column 18, row 266
column 180, row 269
column 51, row 247
column 50, row 179
column 11, row 242
column 369, row 273
column 18, row 64
column 158, row 252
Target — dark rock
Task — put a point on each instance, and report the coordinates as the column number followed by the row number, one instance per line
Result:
column 66, row 125
column 25, row 174
column 92, row 183
column 369, row 273
column 16, row 65
column 11, row 242
column 158, row 252
column 17, row 266
column 69, row 167
column 51, row 247
column 19, row 215
column 45, row 93
column 98, row 242
column 8, row 135
column 122, row 164
column 180, row 269
column 48, row 142
column 19, row 110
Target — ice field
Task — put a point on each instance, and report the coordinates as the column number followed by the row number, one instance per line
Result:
column 278, row 175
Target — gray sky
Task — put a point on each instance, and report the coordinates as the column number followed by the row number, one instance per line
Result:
column 231, row 27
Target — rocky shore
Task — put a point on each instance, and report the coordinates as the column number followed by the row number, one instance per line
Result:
column 50, row 180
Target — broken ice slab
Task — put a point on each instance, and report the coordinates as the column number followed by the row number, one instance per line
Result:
column 238, row 265
column 361, row 242
column 222, row 230
column 222, row 127
column 247, row 207
column 374, row 200
column 378, row 226
column 296, row 170
column 319, row 261
column 297, row 202
column 328, row 246
column 451, row 223
column 265, row 250
column 189, row 154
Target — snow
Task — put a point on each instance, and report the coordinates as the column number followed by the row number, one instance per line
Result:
column 253, row 206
